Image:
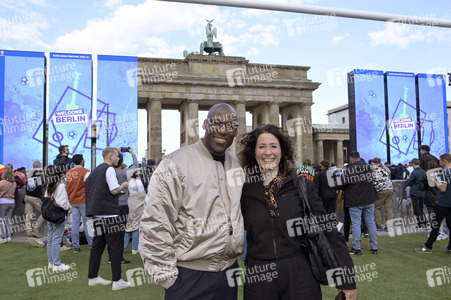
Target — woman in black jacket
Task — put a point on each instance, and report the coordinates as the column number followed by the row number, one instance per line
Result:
column 276, row 265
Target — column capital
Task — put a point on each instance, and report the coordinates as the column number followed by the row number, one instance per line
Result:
column 152, row 99
column 193, row 100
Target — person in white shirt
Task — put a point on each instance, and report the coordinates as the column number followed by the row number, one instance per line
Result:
column 56, row 188
column 136, row 207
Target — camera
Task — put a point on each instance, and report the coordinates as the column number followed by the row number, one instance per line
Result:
column 125, row 149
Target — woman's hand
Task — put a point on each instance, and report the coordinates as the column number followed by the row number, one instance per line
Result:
column 350, row 294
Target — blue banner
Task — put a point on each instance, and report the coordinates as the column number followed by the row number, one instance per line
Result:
column 402, row 117
column 117, row 87
column 369, row 113
column 70, row 93
column 432, row 105
column 21, row 107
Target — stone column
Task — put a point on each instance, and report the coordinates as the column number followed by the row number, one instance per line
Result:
column 274, row 114
column 307, row 133
column 154, row 145
column 339, row 161
column 192, row 122
column 320, row 146
column 240, row 108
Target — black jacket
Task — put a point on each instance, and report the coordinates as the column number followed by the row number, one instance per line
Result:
column 99, row 199
column 425, row 159
column 418, row 175
column 357, row 183
column 64, row 160
column 326, row 186
column 268, row 237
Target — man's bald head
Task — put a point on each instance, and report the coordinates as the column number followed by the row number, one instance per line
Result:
column 220, row 110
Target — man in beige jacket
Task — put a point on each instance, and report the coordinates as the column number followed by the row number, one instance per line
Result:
column 192, row 227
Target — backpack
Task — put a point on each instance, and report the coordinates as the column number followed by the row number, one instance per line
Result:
column 32, row 185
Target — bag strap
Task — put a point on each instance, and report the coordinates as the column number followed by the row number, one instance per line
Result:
column 299, row 182
column 53, row 195
column 7, row 189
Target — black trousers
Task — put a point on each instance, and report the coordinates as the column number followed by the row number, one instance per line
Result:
column 107, row 231
column 440, row 214
column 329, row 204
column 123, row 214
column 284, row 279
column 200, row 285
column 417, row 205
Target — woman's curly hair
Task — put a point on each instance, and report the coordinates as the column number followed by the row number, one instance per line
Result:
column 249, row 141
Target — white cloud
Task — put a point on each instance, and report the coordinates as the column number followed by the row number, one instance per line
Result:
column 148, row 29
column 25, row 29
column 337, row 39
column 112, row 3
column 402, row 35
column 133, row 29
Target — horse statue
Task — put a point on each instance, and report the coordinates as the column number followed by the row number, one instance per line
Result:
column 209, row 46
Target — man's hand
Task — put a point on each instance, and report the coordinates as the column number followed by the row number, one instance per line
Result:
column 123, row 186
column 119, row 189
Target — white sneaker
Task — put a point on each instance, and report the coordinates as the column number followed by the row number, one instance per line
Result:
column 8, row 238
column 3, row 240
column 98, row 281
column 35, row 242
column 50, row 266
column 120, row 284
column 135, row 251
column 64, row 248
column 61, row 267
column 442, row 236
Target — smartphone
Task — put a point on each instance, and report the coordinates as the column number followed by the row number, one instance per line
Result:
column 125, row 149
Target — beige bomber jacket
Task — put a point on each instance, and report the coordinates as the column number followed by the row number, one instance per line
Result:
column 192, row 215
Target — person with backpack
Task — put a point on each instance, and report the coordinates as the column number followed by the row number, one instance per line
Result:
column 426, row 157
column 417, row 192
column 33, row 195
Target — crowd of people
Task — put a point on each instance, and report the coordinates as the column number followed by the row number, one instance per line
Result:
column 188, row 217
column 69, row 184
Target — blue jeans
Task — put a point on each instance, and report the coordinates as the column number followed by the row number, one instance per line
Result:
column 368, row 218
column 55, row 234
column 243, row 256
column 78, row 212
column 135, row 239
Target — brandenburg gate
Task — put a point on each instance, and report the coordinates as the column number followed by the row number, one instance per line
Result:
column 269, row 92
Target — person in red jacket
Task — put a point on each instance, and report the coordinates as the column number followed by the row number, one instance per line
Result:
column 76, row 190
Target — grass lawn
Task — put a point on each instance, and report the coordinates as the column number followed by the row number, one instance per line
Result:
column 401, row 273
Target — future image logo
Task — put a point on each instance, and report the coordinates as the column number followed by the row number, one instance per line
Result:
column 251, row 74
column 235, row 277
column 235, row 177
column 192, row 127
column 40, row 276
column 138, row 277
column 438, row 276
column 297, row 126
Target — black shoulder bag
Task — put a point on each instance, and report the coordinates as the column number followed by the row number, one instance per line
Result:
column 315, row 244
column 51, row 211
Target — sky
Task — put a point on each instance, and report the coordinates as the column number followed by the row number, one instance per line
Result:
column 330, row 46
